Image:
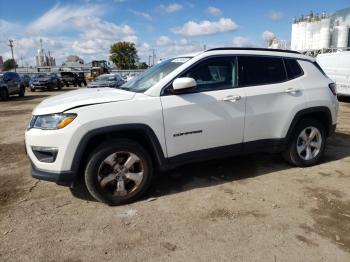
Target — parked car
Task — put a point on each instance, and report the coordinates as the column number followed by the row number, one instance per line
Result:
column 337, row 66
column 25, row 80
column 107, row 80
column 219, row 103
column 45, row 82
column 72, row 78
column 11, row 84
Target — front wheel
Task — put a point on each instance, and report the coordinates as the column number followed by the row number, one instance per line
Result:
column 118, row 172
column 307, row 145
column 4, row 95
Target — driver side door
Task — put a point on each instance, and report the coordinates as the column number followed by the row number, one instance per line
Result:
column 209, row 117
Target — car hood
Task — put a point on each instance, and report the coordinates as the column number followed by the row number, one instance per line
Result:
column 81, row 97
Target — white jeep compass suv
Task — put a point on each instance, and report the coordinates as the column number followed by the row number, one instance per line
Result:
column 218, row 103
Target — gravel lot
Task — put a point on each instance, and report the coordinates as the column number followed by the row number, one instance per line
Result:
column 251, row 208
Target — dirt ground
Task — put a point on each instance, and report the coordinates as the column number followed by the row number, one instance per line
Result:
column 251, row 208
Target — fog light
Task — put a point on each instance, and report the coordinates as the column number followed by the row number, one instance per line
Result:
column 45, row 154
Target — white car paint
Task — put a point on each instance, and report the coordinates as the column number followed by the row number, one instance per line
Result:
column 224, row 117
column 337, row 67
column 83, row 96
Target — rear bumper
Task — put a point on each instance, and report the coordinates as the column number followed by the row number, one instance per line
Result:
column 65, row 178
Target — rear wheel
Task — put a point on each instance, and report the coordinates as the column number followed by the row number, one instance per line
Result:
column 118, row 172
column 4, row 95
column 308, row 143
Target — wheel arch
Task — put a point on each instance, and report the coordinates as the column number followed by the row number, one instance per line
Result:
column 140, row 133
column 321, row 113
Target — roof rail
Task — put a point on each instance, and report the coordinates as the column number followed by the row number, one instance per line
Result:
column 253, row 49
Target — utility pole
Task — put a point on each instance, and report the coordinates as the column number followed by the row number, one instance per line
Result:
column 11, row 45
column 153, row 55
column 149, row 60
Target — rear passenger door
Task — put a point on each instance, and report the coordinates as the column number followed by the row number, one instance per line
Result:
column 273, row 96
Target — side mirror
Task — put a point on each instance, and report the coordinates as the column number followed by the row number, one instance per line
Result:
column 184, row 83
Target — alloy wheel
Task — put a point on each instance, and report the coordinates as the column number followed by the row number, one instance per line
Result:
column 309, row 143
column 120, row 174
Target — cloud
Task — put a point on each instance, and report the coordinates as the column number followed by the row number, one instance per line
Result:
column 163, row 40
column 171, row 8
column 90, row 36
column 206, row 27
column 178, row 47
column 94, row 27
column 142, row 14
column 275, row 15
column 240, row 41
column 214, row 11
column 267, row 36
column 59, row 17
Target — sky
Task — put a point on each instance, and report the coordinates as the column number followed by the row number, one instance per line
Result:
column 87, row 28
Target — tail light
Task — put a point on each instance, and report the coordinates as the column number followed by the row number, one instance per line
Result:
column 333, row 88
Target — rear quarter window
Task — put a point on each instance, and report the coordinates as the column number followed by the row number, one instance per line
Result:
column 293, row 68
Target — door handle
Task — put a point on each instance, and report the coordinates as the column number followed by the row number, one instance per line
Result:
column 231, row 98
column 292, row 90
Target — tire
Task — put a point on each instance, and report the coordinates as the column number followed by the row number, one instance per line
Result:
column 22, row 91
column 4, row 95
column 59, row 86
column 98, row 170
column 297, row 143
column 32, row 89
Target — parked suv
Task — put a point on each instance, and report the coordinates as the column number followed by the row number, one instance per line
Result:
column 11, row 84
column 70, row 78
column 218, row 103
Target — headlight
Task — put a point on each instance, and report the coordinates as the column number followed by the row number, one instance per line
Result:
column 51, row 122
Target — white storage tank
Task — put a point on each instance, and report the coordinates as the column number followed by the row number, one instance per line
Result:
column 343, row 35
column 325, row 33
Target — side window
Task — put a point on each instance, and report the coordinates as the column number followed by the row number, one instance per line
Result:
column 255, row 70
column 293, row 68
column 214, row 74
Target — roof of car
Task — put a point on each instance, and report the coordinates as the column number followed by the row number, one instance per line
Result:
column 253, row 49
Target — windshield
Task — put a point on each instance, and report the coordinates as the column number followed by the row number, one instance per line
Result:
column 150, row 77
column 105, row 78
